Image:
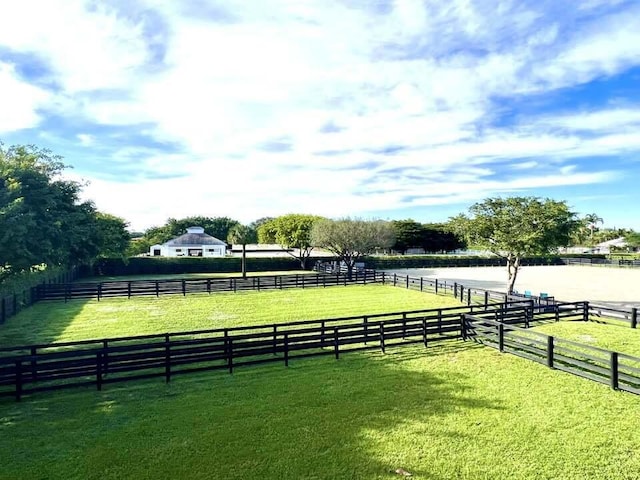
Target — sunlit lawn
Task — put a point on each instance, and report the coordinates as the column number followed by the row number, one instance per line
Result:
column 81, row 319
column 454, row 411
column 611, row 337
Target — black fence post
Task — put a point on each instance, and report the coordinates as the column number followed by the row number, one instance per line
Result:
column 275, row 340
column 382, row 345
column 585, row 312
column 322, row 334
column 501, row 337
column 230, row 354
column 424, row 331
column 404, row 325
column 336, row 342
column 486, row 297
column 128, row 289
column 184, row 288
column 550, row 347
column 167, row 358
column 463, row 327
column 435, row 281
column 99, row 291
column 614, row 370
column 286, row 349
column 395, row 279
column 258, row 279
column 421, row 283
column 208, row 285
column 383, row 278
column 634, row 317
column 557, row 312
column 99, row 371
column 407, row 281
column 455, row 290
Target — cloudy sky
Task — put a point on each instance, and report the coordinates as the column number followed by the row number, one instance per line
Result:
column 379, row 108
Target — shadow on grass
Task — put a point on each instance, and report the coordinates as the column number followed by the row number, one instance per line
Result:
column 43, row 322
column 359, row 417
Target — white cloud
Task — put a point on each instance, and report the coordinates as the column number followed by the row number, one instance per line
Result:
column 245, row 95
column 19, row 101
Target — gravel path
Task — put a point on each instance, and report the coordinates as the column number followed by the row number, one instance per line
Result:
column 607, row 286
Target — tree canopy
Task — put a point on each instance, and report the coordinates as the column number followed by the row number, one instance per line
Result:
column 514, row 227
column 292, row 231
column 43, row 221
column 350, row 239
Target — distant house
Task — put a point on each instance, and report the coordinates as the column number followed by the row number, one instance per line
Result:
column 194, row 243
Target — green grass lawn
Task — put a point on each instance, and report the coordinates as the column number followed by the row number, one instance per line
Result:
column 453, row 411
column 87, row 319
column 610, row 337
column 180, row 276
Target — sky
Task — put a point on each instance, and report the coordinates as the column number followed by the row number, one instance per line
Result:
column 376, row 109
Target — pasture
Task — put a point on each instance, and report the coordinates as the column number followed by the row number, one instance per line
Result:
column 118, row 317
column 452, row 410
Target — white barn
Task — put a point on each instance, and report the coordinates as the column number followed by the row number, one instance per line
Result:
column 194, row 243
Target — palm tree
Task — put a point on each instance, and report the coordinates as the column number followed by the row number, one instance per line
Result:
column 241, row 234
column 592, row 220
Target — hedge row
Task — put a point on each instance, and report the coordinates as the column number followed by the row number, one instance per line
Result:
column 172, row 266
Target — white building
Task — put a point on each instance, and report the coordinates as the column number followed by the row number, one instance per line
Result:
column 194, row 243
column 605, row 247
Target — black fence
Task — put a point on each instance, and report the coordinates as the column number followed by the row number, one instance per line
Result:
column 601, row 262
column 620, row 371
column 35, row 368
column 156, row 288
column 11, row 304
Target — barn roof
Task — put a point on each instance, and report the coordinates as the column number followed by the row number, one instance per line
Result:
column 193, row 239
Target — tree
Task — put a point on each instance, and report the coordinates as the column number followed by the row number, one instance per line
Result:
column 592, row 220
column 633, row 239
column 408, row 233
column 292, row 231
column 112, row 236
column 438, row 237
column 42, row 221
column 517, row 226
column 350, row 239
column 241, row 234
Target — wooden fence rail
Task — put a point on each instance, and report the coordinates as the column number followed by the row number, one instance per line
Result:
column 34, row 368
column 620, row 371
column 156, row 288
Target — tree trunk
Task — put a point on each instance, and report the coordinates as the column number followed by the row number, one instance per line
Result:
column 513, row 264
column 244, row 260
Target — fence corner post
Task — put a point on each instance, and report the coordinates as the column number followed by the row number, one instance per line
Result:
column 614, row 370
column 634, row 317
column 501, row 337
column 550, row 348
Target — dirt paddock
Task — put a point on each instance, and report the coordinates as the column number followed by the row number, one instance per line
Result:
column 606, row 286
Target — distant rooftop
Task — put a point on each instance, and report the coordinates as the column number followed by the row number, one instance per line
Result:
column 195, row 236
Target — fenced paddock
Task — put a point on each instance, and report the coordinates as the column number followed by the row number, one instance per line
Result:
column 42, row 367
column 134, row 288
column 618, row 370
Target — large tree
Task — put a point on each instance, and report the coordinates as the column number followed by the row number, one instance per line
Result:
column 438, row 237
column 292, row 232
column 408, row 233
column 241, row 235
column 351, row 239
column 42, row 220
column 515, row 227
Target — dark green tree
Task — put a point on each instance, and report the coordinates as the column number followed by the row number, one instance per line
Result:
column 517, row 226
column 408, row 233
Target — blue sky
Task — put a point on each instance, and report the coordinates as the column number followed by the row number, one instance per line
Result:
column 378, row 108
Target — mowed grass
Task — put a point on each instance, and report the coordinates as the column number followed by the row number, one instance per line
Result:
column 453, row 411
column 610, row 337
column 118, row 317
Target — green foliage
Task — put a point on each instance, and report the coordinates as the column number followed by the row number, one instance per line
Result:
column 42, row 221
column 408, row 233
column 350, row 239
column 514, row 227
column 633, row 239
column 169, row 266
column 292, row 231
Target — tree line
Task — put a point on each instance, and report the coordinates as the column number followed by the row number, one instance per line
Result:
column 43, row 222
